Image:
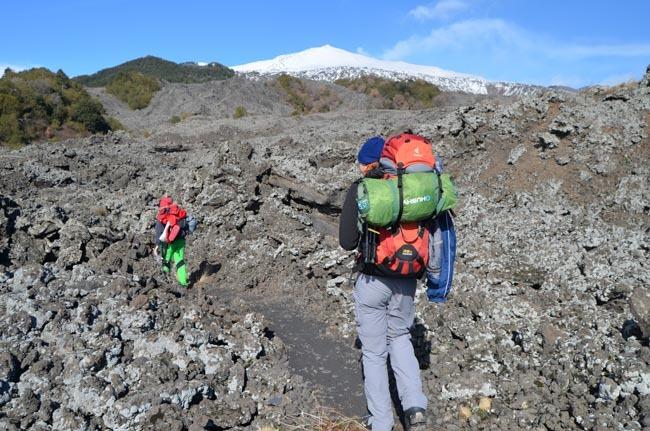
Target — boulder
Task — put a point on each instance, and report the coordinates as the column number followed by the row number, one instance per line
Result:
column 639, row 302
column 547, row 141
column 645, row 81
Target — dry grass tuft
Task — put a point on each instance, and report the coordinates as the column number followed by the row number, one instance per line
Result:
column 323, row 420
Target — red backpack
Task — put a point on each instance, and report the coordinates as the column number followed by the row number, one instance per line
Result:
column 399, row 251
column 411, row 153
column 170, row 213
column 403, row 249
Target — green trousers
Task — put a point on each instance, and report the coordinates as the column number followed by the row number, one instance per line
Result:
column 176, row 252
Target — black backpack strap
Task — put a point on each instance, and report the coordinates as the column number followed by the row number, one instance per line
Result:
column 400, row 191
column 363, row 244
column 439, row 187
column 373, row 237
column 368, row 244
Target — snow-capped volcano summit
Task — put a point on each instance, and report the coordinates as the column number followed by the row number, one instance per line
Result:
column 329, row 63
column 328, row 56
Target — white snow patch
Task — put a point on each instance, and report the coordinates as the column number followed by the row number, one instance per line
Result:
column 328, row 63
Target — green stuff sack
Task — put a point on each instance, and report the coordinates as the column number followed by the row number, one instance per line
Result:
column 421, row 195
column 378, row 199
column 449, row 196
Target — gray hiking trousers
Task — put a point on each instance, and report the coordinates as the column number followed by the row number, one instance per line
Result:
column 385, row 312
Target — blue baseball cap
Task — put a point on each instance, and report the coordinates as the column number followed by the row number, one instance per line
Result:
column 371, row 150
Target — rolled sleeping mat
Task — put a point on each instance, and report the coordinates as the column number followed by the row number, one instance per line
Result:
column 378, row 199
column 449, row 196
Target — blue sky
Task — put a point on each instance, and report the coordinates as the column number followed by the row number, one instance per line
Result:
column 548, row 42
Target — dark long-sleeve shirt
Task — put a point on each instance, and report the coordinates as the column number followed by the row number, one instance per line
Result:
column 159, row 230
column 349, row 235
column 161, row 227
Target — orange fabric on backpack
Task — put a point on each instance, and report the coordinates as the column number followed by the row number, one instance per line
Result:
column 169, row 212
column 404, row 250
column 409, row 150
column 173, row 233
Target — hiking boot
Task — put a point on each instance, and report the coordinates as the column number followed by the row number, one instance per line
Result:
column 416, row 419
column 366, row 421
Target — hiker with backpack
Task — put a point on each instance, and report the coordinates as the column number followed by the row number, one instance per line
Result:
column 390, row 216
column 173, row 225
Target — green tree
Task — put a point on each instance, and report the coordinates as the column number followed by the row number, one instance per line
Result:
column 240, row 112
column 410, row 94
column 10, row 132
column 89, row 113
column 133, row 88
column 159, row 68
column 296, row 93
column 35, row 103
column 115, row 124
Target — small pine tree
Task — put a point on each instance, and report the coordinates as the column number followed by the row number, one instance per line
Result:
column 133, row 88
column 89, row 113
column 115, row 124
column 240, row 111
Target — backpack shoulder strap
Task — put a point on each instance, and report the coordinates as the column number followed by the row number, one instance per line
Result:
column 400, row 191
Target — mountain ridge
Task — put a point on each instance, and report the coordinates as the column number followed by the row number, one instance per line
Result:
column 328, row 63
column 159, row 68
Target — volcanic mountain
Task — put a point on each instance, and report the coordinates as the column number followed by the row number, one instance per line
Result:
column 328, row 63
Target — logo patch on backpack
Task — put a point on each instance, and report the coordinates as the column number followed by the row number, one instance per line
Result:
column 417, row 200
column 362, row 205
column 407, row 253
column 403, row 251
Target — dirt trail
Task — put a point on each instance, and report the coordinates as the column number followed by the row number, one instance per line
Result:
column 331, row 366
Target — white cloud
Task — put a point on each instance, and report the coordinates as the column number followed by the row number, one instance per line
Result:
column 498, row 35
column 362, row 51
column 572, row 81
column 441, row 10
column 619, row 79
column 576, row 81
column 13, row 67
column 459, row 35
column 588, row 51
